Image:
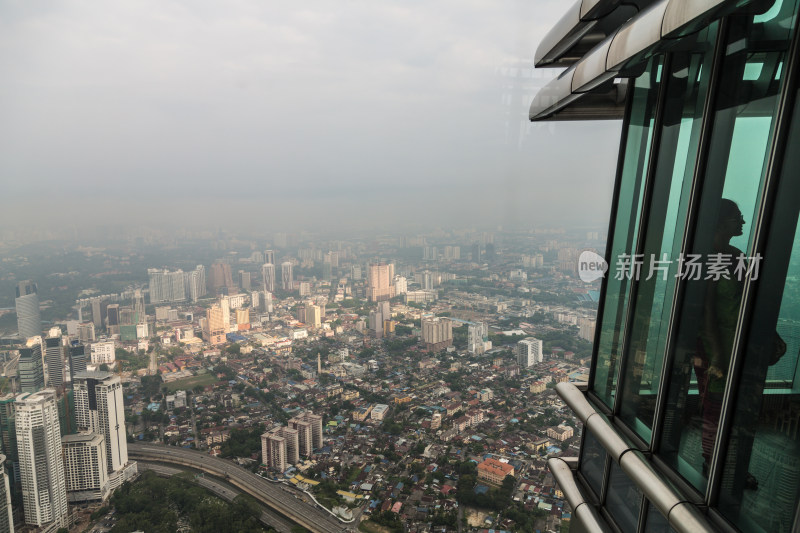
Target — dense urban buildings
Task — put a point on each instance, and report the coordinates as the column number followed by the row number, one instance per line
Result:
column 694, row 373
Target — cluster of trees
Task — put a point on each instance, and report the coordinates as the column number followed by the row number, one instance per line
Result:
column 156, row 505
column 389, row 520
column 225, row 370
column 151, row 385
column 402, row 330
column 398, row 346
column 568, row 340
column 131, row 360
column 523, row 520
column 243, row 442
column 391, row 426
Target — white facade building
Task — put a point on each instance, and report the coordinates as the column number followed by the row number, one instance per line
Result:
column 530, row 351
column 85, row 467
column 99, row 409
column 44, row 490
column 103, row 353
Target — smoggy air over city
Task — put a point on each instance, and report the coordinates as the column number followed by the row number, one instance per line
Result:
column 400, row 267
column 306, row 116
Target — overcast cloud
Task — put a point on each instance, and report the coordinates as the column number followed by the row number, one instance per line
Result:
column 282, row 113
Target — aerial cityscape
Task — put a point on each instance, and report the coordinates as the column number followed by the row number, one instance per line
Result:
column 395, row 380
column 392, row 267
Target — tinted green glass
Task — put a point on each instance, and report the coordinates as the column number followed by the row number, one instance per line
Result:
column 624, row 499
column 744, row 115
column 687, row 85
column 625, row 231
column 593, row 462
column 656, row 522
column 761, row 479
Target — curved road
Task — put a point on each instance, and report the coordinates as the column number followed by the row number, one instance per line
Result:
column 270, row 494
column 269, row 518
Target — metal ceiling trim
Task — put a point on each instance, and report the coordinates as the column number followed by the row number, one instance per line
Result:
column 641, row 33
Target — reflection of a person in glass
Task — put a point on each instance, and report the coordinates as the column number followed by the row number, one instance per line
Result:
column 718, row 328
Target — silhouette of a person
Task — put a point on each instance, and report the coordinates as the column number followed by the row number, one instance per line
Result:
column 715, row 339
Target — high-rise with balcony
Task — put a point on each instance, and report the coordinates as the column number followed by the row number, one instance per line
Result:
column 287, row 276
column 29, row 320
column 437, row 333
column 99, row 409
column 268, row 275
column 166, row 286
column 44, row 491
column 529, row 352
column 309, row 427
column 214, row 330
column 54, row 355
column 380, row 284
column 690, row 411
column 85, row 467
column 195, row 283
column 6, row 511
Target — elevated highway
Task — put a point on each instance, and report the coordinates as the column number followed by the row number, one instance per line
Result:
column 268, row 518
column 270, row 494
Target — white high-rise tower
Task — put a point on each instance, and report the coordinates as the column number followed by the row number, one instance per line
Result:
column 268, row 274
column 44, row 489
column 99, row 409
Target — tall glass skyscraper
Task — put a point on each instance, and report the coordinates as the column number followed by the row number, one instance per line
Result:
column 692, row 410
column 30, row 369
column 29, row 321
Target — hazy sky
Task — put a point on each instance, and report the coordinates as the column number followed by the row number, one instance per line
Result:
column 315, row 113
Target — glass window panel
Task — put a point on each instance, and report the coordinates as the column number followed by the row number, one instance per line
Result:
column 655, row 521
column 680, row 135
column 624, row 499
column 625, row 231
column 732, row 186
column 593, row 462
column 761, row 479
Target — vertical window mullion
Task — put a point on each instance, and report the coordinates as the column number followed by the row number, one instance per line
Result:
column 611, row 223
column 689, row 227
column 781, row 130
column 655, row 143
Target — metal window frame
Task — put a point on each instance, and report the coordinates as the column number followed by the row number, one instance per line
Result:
column 609, row 246
column 690, row 225
column 643, row 223
column 660, row 95
column 762, row 225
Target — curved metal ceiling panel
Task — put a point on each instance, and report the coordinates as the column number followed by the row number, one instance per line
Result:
column 636, row 40
column 681, row 13
column 553, row 96
column 591, row 70
column 636, row 36
column 562, row 36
